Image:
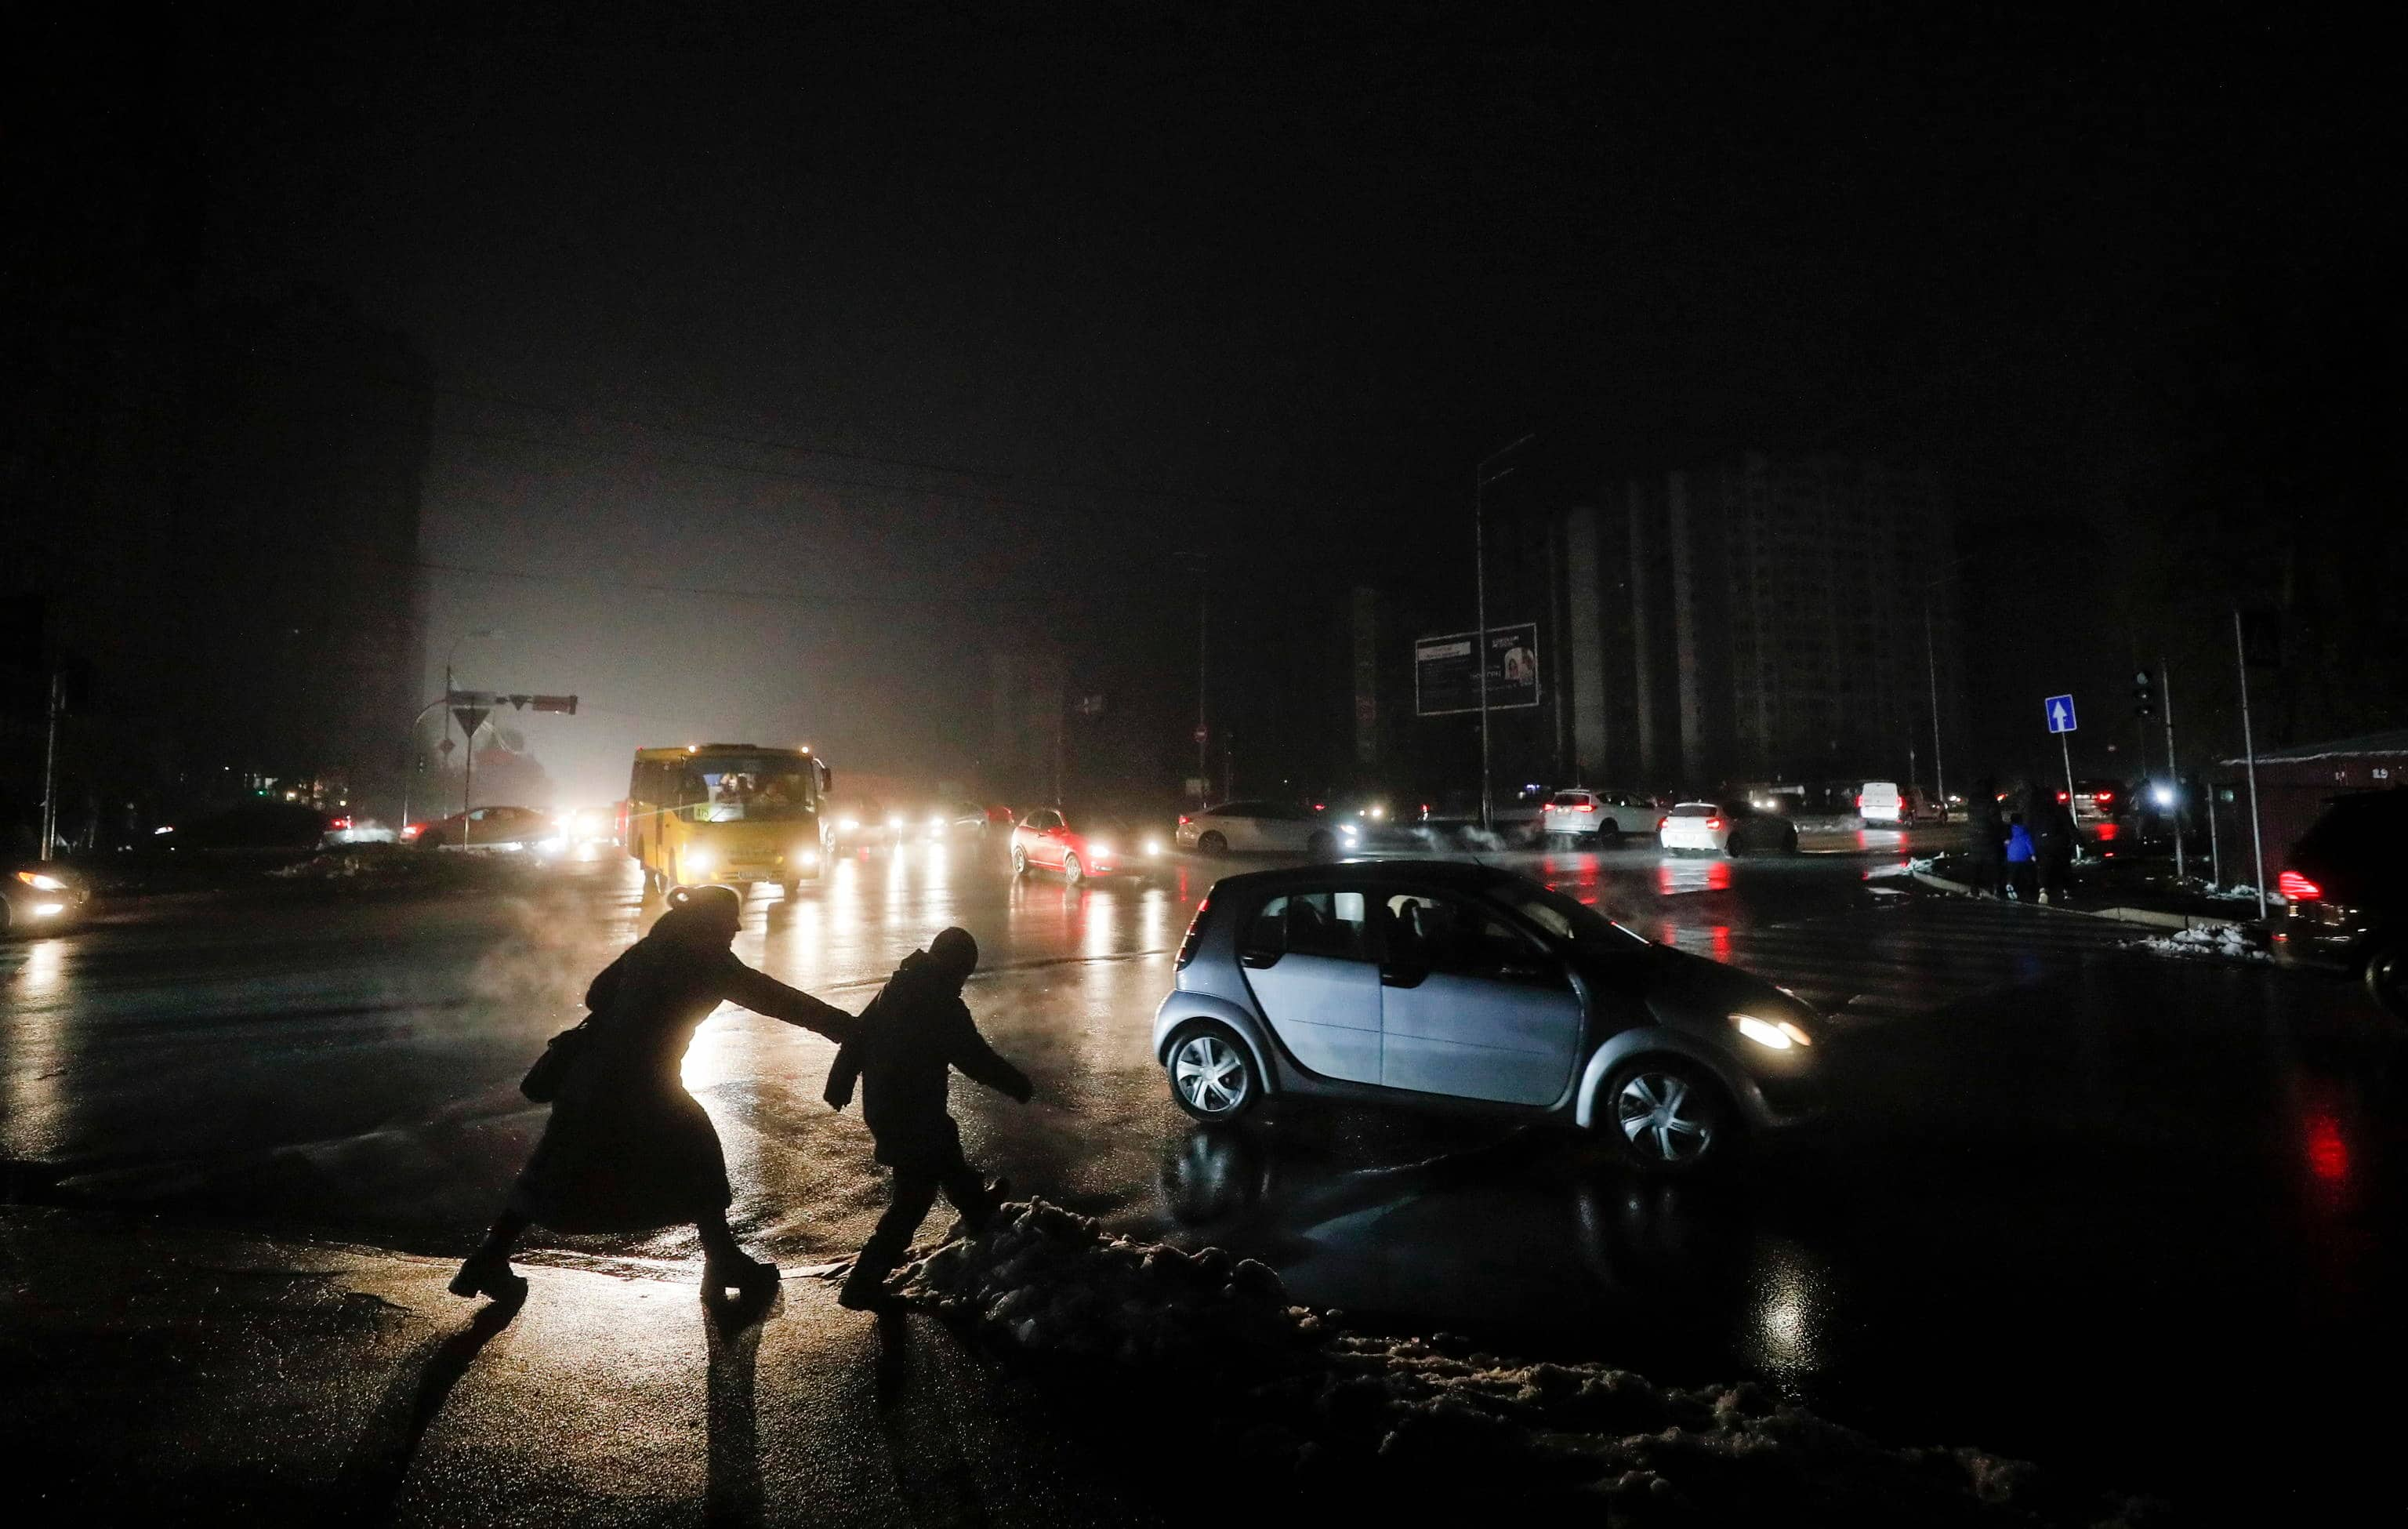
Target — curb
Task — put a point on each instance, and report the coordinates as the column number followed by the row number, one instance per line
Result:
column 2150, row 918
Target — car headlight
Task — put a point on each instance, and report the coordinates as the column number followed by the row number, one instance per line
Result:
column 49, row 910
column 699, row 859
column 41, row 882
column 1154, row 846
column 935, row 822
column 848, row 823
column 1098, row 848
column 806, row 854
column 1776, row 1034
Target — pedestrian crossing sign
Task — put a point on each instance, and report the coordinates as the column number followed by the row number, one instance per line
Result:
column 2060, row 713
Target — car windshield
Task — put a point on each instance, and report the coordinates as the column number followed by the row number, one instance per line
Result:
column 1565, row 920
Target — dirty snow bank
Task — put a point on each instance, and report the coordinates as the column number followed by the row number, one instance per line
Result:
column 1432, row 1416
column 2228, row 942
column 1901, row 869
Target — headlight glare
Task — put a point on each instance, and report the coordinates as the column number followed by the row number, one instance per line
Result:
column 41, row 882
column 1773, row 1034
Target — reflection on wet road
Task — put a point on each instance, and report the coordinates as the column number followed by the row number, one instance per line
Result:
column 2047, row 1157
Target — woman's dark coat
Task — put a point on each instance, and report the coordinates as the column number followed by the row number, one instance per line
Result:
column 627, row 1148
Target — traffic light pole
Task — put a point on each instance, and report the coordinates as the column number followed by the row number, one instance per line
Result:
column 2249, row 756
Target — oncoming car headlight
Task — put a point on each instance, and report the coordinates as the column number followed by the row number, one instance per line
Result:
column 1154, row 846
column 41, row 882
column 1098, row 848
column 848, row 823
column 1777, row 1034
column 700, row 860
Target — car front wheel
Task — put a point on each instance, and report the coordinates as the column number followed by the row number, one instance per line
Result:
column 1211, row 1073
column 1019, row 861
column 1668, row 1116
column 1072, row 871
column 2387, row 978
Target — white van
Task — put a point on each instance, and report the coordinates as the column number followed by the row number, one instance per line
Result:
column 1881, row 801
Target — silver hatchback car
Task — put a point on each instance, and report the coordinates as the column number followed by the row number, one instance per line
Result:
column 1443, row 984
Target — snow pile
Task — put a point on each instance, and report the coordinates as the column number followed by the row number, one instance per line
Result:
column 2237, row 892
column 1432, row 1417
column 1901, row 869
column 327, row 867
column 2228, row 942
column 1049, row 1279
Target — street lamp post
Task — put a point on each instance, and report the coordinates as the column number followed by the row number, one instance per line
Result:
column 1480, row 479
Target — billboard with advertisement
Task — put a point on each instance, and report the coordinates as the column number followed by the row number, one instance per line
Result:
column 1445, row 683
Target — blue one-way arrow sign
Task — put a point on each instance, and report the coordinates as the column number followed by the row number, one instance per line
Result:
column 2060, row 713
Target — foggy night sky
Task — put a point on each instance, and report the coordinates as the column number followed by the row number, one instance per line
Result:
column 1161, row 278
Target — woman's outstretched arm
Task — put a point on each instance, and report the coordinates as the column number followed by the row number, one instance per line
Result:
column 765, row 994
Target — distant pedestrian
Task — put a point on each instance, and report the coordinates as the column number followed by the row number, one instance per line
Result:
column 2023, row 881
column 911, row 1036
column 627, row 1148
column 1985, row 840
column 2054, row 840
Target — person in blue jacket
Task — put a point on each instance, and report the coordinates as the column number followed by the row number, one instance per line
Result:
column 2023, row 860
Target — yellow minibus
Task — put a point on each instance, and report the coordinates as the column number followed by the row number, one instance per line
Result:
column 727, row 812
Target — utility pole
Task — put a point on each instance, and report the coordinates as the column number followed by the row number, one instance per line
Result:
column 1931, row 671
column 1479, row 481
column 2249, row 758
column 51, row 765
column 2173, row 770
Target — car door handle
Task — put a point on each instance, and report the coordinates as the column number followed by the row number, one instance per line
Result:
column 1403, row 976
column 1259, row 958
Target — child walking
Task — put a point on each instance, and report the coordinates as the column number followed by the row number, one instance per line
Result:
column 914, row 1032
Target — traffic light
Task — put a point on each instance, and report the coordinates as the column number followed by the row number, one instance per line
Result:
column 2144, row 695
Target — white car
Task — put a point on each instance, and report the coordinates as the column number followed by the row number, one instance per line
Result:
column 1238, row 827
column 1712, row 828
column 1578, row 813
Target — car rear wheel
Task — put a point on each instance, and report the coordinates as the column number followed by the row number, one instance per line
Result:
column 1211, row 1073
column 1213, row 844
column 2387, row 977
column 1072, row 871
column 1668, row 1116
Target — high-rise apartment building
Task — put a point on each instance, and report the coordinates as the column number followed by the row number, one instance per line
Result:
column 1757, row 619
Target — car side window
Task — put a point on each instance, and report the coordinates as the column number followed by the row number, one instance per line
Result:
column 1332, row 924
column 1450, row 934
column 1041, row 820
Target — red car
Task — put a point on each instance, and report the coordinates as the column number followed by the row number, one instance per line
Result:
column 1080, row 844
column 487, row 827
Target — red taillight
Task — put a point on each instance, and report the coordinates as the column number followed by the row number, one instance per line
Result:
column 2296, row 888
column 2103, row 797
column 1316, row 806
column 1660, row 822
column 339, row 823
column 1713, row 822
column 1185, row 819
column 1195, row 928
column 1585, row 807
column 1860, row 801
column 2062, row 796
column 412, row 831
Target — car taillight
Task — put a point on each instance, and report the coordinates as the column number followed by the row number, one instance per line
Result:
column 1194, row 929
column 1660, row 822
column 1713, row 822
column 2102, row 797
column 2062, row 796
column 412, row 830
column 339, row 823
column 1585, row 807
column 1185, row 819
column 1860, row 801
column 2296, row 888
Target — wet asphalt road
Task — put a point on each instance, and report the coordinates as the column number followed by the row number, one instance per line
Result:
column 2118, row 1213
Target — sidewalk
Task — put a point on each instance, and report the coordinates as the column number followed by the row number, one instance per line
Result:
column 185, row 1377
column 2141, row 892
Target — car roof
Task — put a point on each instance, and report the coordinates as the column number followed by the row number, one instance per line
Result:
column 1468, row 876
